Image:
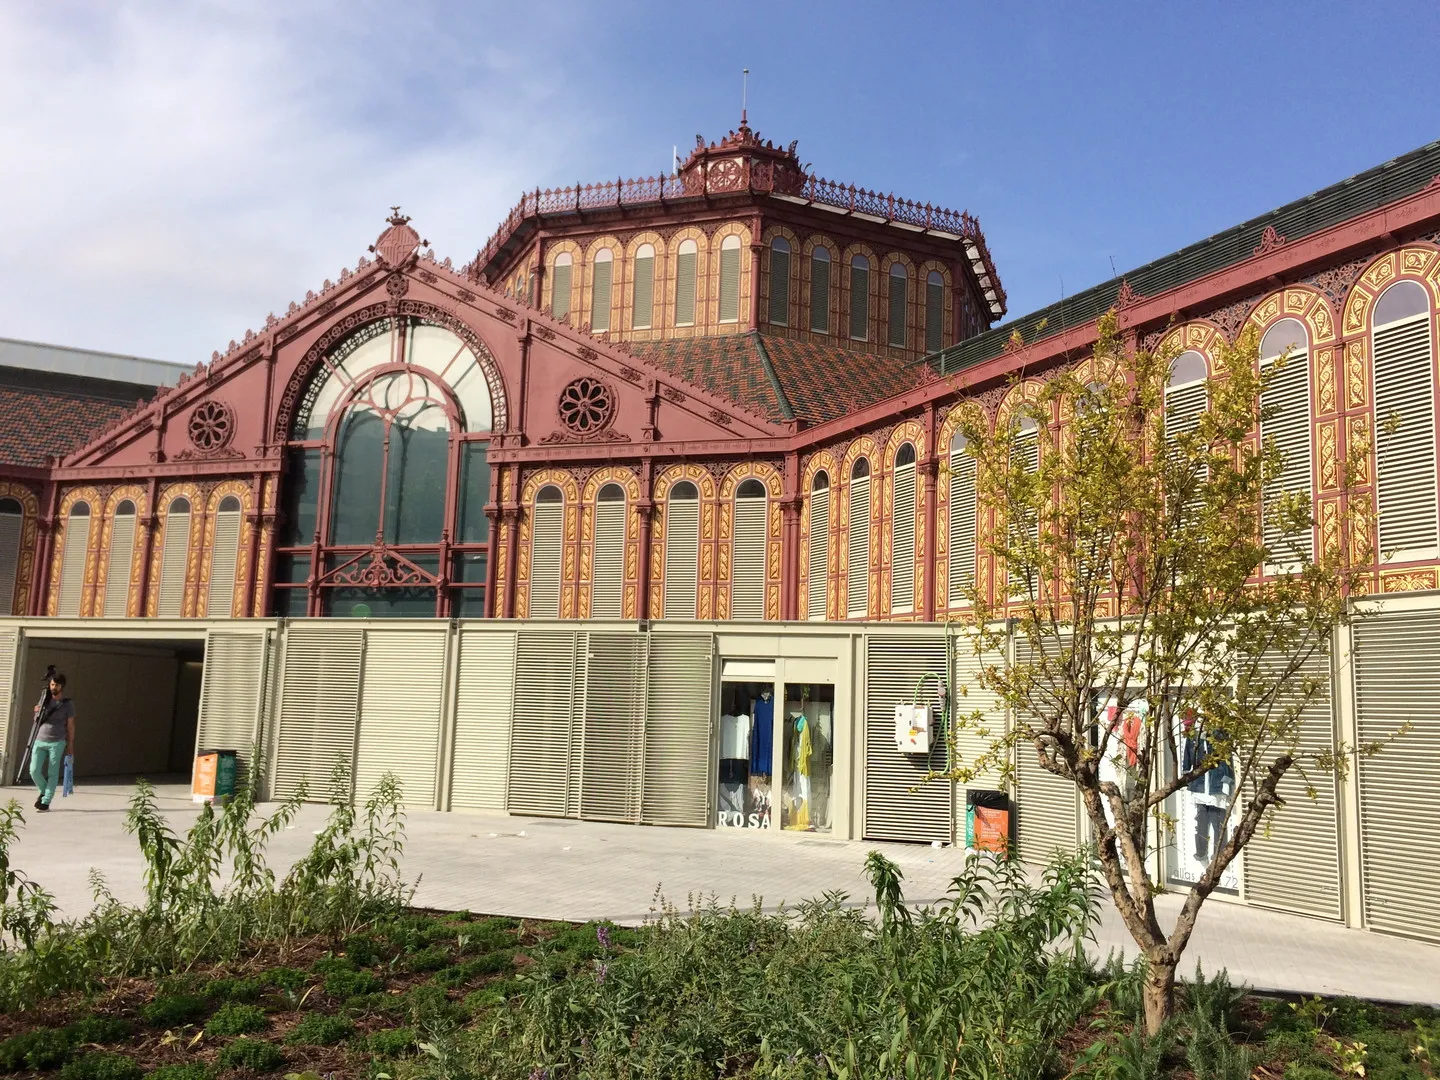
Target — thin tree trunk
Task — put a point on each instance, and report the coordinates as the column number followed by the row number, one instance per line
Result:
column 1159, row 993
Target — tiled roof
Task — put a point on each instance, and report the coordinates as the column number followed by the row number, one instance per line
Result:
column 782, row 379
column 36, row 422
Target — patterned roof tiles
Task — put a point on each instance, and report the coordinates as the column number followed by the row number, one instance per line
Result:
column 36, row 422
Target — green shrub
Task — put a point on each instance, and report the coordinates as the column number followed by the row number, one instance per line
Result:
column 478, row 1001
column 428, row 1004
column 509, row 988
column 175, row 1010
column 362, row 950
column 489, row 964
column 1350, row 1017
column 317, row 1029
column 1211, row 1054
column 391, row 1043
column 178, row 1072
column 347, row 984
column 42, row 1048
column 285, row 978
column 430, row 958
column 251, row 1054
column 102, row 1066
column 235, row 989
column 327, row 965
column 236, row 1019
column 1297, row 1071
column 376, row 1004
column 98, row 1029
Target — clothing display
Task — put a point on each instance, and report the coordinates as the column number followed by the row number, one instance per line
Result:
column 747, row 712
column 1201, row 808
column 734, row 737
column 762, row 735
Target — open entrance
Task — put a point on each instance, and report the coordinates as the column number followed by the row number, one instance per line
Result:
column 137, row 705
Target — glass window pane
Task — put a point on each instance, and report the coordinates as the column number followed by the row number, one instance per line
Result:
column 808, row 733
column 359, row 467
column 470, row 567
column 415, row 480
column 468, row 603
column 302, row 497
column 357, row 603
column 288, row 603
column 474, row 493
column 294, row 568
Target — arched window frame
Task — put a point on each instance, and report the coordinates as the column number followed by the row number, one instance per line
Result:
column 171, row 597
column 681, row 596
column 222, row 583
column 562, row 271
column 1402, row 373
column 750, row 547
column 857, row 566
column 859, row 293
column 687, row 272
column 934, row 311
column 728, row 294
column 642, row 295
column 1289, row 394
column 897, row 321
column 904, row 500
column 74, row 555
column 547, row 551
column 602, row 289
column 120, row 557
column 607, row 588
column 12, row 543
column 822, row 276
column 963, row 524
column 780, row 257
column 818, row 582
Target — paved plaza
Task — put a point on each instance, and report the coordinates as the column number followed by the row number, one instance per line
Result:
column 561, row 869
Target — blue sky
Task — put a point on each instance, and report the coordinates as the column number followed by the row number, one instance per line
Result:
column 180, row 170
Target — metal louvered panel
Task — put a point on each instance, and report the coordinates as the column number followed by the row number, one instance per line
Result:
column 893, row 669
column 976, row 739
column 679, row 699
column 747, row 567
column 934, row 317
column 319, row 704
column 9, row 654
column 859, row 303
column 896, row 322
column 1289, row 396
column 72, row 565
column 685, row 289
column 820, row 296
column 600, row 295
column 1047, row 806
column 400, row 703
column 643, row 308
column 779, row 288
column 547, row 534
column 173, row 565
column 1397, row 682
column 232, row 685
column 1405, row 436
column 484, row 693
column 608, row 588
column 1184, row 406
column 560, row 291
column 224, row 552
column 1295, row 865
column 857, row 577
column 612, row 765
column 819, row 553
column 117, row 575
column 682, row 557
column 730, row 285
column 962, row 526
column 902, row 542
column 11, row 533
column 541, row 722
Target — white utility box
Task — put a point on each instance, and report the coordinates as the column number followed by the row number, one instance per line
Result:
column 914, row 729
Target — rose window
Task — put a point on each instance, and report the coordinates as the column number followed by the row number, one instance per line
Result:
column 212, row 425
column 586, row 406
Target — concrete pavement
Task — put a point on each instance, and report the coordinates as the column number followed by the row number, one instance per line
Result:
column 562, row 869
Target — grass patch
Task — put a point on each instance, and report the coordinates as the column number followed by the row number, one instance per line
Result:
column 251, row 1054
column 317, row 1029
column 237, row 1019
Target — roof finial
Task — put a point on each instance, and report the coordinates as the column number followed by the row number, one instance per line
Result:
column 744, row 93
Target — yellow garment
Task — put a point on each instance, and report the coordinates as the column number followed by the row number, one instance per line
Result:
column 802, row 752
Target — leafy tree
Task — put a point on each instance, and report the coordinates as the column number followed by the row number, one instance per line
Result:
column 1155, row 560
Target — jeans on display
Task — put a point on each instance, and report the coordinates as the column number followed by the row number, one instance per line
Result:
column 1209, row 830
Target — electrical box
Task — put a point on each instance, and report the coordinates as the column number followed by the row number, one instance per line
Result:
column 914, row 729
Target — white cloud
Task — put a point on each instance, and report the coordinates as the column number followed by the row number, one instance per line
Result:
column 173, row 172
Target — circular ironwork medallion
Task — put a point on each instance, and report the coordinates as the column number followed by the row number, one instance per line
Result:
column 587, row 405
column 212, row 426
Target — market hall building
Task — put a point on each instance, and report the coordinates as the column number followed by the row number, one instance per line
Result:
column 654, row 511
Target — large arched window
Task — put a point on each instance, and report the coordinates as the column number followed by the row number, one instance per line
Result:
column 747, row 564
column 1287, row 399
column 76, row 542
column 608, row 586
column 820, row 291
column 682, row 551
column 730, row 279
column 962, row 532
column 386, row 472
column 642, row 304
column 1405, row 422
column 857, row 577
column 602, row 273
column 685, row 259
column 560, row 285
column 902, row 533
column 1185, row 393
column 120, row 555
column 819, row 553
column 224, row 554
column 779, row 282
column 934, row 312
column 860, row 298
column 899, row 301
column 12, row 532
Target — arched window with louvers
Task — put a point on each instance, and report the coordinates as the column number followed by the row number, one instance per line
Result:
column 779, row 313
column 12, row 533
column 224, row 557
column 819, row 554
column 1404, row 384
column 1287, row 400
column 121, row 555
column 602, row 277
column 902, row 532
column 729, row 310
column 747, row 560
column 547, row 541
column 642, row 303
column 859, row 298
column 682, row 551
column 820, row 291
column 174, row 559
column 962, row 531
column 857, row 577
column 1024, row 524
column 897, row 321
column 607, row 588
column 75, row 548
column 560, row 284
column 934, row 312
column 686, row 258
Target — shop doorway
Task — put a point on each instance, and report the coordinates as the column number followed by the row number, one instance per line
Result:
column 746, row 771
column 137, row 705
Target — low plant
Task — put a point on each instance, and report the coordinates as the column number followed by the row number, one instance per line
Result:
column 250, row 1054
column 392, row 1042
column 102, row 1066
column 193, row 1071
column 234, row 989
column 348, row 984
column 175, row 1010
column 430, row 958
column 284, row 978
column 236, row 1019
column 318, row 1029
column 98, row 1030
column 1212, row 1054
column 40, row 1048
column 362, row 950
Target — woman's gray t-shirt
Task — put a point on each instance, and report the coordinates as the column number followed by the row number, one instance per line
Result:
column 52, row 725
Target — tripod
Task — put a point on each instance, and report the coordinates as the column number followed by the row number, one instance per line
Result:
column 22, row 772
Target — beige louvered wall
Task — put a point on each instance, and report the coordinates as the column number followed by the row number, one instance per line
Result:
column 682, row 557
column 318, row 707
column 608, row 590
column 542, row 721
column 677, row 730
column 117, row 575
column 484, row 693
column 747, row 567
column 232, row 682
column 1397, row 682
column 974, row 738
column 1047, row 806
column 546, row 541
column 400, row 702
column 72, row 564
column 224, row 553
column 894, row 667
column 612, row 759
column 173, row 564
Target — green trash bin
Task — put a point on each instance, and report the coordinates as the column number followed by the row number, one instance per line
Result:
column 214, row 778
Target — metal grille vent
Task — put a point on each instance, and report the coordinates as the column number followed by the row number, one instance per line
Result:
column 899, row 804
column 400, row 704
column 484, row 692
column 319, row 706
